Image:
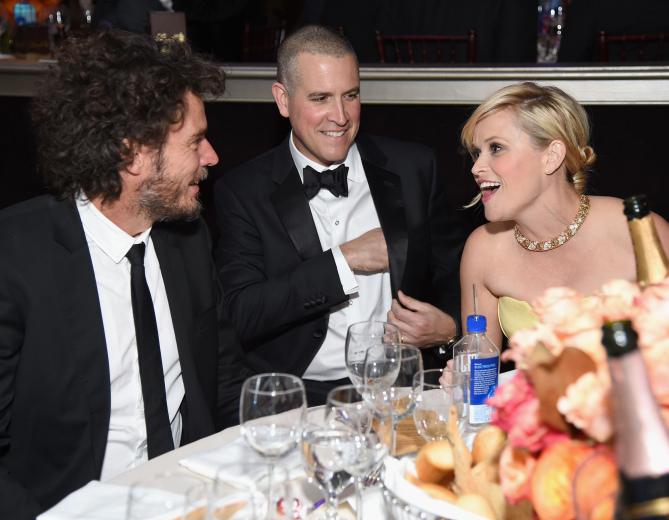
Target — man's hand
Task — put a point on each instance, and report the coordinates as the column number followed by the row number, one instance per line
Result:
column 420, row 323
column 368, row 252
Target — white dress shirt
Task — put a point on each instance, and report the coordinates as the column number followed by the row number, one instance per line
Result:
column 339, row 220
column 108, row 245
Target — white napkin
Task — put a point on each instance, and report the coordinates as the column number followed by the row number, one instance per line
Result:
column 98, row 501
column 238, row 465
column 396, row 483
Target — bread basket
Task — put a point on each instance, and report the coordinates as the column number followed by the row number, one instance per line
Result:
column 404, row 501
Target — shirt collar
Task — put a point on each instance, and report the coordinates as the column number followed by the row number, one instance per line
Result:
column 110, row 238
column 352, row 160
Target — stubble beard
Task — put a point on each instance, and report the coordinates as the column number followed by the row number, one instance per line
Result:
column 159, row 197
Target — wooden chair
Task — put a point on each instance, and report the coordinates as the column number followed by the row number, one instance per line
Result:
column 261, row 42
column 425, row 49
column 655, row 43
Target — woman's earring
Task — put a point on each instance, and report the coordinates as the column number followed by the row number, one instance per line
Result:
column 549, row 171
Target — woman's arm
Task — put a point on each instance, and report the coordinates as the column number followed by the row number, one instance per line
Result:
column 475, row 262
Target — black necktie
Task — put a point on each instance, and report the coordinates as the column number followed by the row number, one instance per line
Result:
column 158, row 431
column 335, row 181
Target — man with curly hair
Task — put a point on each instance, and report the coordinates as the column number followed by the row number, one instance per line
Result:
column 110, row 279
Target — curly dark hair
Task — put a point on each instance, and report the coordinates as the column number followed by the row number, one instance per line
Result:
column 106, row 94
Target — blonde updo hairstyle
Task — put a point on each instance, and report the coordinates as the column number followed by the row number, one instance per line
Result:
column 545, row 114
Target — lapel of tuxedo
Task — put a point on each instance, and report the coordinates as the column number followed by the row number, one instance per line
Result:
column 292, row 206
column 178, row 293
column 173, row 272
column 386, row 189
column 73, row 272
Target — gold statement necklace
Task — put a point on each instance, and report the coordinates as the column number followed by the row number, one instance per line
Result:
column 562, row 238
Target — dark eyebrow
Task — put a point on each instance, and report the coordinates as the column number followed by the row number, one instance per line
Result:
column 199, row 134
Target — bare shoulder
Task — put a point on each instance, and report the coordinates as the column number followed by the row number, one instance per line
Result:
column 488, row 239
column 607, row 211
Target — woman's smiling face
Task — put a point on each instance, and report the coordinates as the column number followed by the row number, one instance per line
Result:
column 507, row 168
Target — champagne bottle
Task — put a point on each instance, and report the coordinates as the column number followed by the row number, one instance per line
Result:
column 651, row 262
column 642, row 438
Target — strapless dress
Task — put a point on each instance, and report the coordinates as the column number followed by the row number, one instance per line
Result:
column 515, row 315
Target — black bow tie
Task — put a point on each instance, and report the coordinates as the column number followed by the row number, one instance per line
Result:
column 335, row 181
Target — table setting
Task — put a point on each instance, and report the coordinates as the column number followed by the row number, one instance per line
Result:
column 345, row 460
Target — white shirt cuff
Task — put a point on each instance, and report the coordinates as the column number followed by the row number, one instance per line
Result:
column 346, row 277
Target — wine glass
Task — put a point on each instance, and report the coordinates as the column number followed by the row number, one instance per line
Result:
column 168, row 495
column 271, row 412
column 390, row 387
column 346, row 408
column 359, row 337
column 442, row 388
column 328, row 454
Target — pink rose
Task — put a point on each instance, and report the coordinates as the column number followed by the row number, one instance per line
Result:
column 618, row 300
column 523, row 342
column 515, row 469
column 517, row 413
column 587, row 405
column 558, row 305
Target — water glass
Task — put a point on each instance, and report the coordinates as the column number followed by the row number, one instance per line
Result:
column 392, row 387
column 170, row 494
column 272, row 410
column 328, row 454
column 359, row 337
column 442, row 388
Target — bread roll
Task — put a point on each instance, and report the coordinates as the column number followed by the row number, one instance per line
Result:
column 434, row 463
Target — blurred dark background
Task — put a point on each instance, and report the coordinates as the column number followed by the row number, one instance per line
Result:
column 627, row 139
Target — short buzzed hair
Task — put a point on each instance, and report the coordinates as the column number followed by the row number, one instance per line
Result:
column 311, row 39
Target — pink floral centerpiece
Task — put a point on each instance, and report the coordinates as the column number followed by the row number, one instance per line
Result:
column 557, row 409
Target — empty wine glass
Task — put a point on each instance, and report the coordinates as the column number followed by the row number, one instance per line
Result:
column 346, row 408
column 271, row 411
column 389, row 386
column 442, row 388
column 168, row 495
column 328, row 454
column 359, row 337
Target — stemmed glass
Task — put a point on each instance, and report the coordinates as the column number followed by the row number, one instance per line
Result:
column 390, row 387
column 359, row 337
column 169, row 494
column 271, row 412
column 442, row 388
column 346, row 408
column 328, row 453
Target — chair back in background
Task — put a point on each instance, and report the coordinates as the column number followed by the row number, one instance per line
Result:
column 261, row 42
column 642, row 47
column 425, row 48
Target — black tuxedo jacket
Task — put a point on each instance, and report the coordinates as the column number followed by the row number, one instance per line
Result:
column 280, row 285
column 54, row 370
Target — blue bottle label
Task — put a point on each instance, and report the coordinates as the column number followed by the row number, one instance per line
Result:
column 484, row 374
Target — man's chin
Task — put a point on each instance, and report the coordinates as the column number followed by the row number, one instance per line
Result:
column 177, row 214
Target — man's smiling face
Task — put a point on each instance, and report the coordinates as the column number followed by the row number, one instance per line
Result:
column 324, row 107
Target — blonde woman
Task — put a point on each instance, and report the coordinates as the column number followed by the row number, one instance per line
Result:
column 531, row 149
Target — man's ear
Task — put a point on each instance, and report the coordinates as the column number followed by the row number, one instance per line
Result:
column 136, row 158
column 280, row 94
column 555, row 154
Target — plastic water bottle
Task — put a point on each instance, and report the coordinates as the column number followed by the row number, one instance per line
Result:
column 477, row 357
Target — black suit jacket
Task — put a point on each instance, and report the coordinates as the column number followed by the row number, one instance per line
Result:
column 54, row 370
column 280, row 285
